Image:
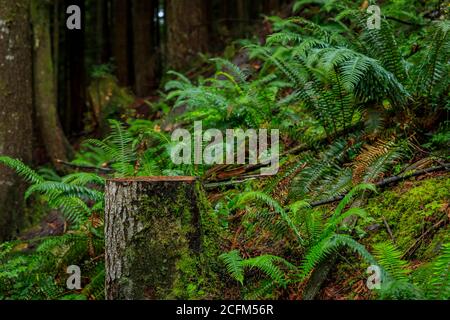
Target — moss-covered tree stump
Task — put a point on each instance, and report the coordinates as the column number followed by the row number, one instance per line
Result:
column 161, row 240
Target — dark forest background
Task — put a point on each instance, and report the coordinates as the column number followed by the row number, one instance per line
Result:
column 140, row 40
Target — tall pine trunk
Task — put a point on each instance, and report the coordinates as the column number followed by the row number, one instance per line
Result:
column 121, row 48
column 77, row 75
column 187, row 33
column 144, row 55
column 55, row 142
column 102, row 31
column 15, row 108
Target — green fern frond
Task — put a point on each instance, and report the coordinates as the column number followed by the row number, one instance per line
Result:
column 83, row 179
column 389, row 257
column 22, row 169
column 233, row 262
column 349, row 196
column 57, row 189
column 272, row 203
column 440, row 280
column 269, row 265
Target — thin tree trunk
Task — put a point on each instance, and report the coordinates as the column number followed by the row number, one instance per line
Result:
column 243, row 15
column 271, row 5
column 121, row 49
column 52, row 135
column 15, row 108
column 144, row 55
column 187, row 33
column 75, row 73
column 160, row 240
column 101, row 36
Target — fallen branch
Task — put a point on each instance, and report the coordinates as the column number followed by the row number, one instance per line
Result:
column 408, row 253
column 383, row 183
column 87, row 167
column 388, row 228
column 215, row 185
column 409, row 23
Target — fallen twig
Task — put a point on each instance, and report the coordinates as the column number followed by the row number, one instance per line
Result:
column 87, row 167
column 387, row 181
column 408, row 253
column 389, row 230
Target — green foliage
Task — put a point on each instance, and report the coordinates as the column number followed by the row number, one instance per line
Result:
column 38, row 273
column 400, row 285
column 440, row 277
column 390, row 259
column 24, row 171
column 318, row 239
column 431, row 74
column 41, row 274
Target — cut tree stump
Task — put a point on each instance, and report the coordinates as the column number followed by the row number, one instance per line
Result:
column 161, row 241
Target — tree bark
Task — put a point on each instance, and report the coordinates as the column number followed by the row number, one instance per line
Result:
column 121, row 48
column 53, row 137
column 144, row 55
column 187, row 33
column 15, row 108
column 74, row 58
column 269, row 6
column 102, row 31
column 160, row 240
column 243, row 16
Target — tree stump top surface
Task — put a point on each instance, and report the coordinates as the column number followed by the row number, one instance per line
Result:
column 156, row 179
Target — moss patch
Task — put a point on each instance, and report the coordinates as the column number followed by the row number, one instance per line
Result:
column 410, row 210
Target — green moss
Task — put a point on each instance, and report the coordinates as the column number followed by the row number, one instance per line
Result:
column 198, row 275
column 409, row 213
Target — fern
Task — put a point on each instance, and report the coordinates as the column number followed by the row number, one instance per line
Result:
column 268, row 264
column 260, row 196
column 390, row 259
column 440, row 279
column 233, row 262
column 23, row 170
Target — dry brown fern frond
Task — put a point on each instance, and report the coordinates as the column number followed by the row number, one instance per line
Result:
column 279, row 186
column 368, row 156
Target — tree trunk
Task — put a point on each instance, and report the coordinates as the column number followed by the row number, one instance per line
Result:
column 102, row 31
column 15, row 108
column 187, row 33
column 144, row 55
column 270, row 6
column 243, row 16
column 53, row 137
column 161, row 242
column 75, row 77
column 121, row 48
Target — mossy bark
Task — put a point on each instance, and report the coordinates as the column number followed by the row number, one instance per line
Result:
column 161, row 241
column 56, row 144
column 15, row 109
